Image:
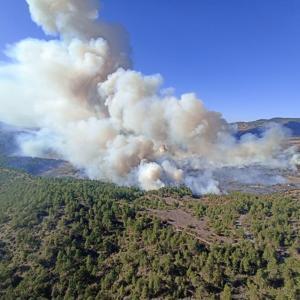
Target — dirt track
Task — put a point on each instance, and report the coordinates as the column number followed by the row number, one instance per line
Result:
column 184, row 221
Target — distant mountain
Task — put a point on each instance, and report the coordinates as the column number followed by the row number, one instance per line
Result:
column 59, row 168
column 8, row 143
column 35, row 166
column 257, row 126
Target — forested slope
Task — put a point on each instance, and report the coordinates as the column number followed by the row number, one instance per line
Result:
column 80, row 239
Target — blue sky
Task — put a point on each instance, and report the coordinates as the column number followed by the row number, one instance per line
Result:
column 242, row 57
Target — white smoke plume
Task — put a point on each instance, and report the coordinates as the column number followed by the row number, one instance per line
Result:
column 113, row 123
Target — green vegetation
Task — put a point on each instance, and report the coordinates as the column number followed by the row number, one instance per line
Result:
column 82, row 239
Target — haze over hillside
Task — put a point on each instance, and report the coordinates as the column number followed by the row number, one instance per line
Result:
column 253, row 127
column 112, row 187
column 82, row 103
column 230, row 179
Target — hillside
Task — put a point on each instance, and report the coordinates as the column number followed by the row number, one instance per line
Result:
column 10, row 158
column 81, row 239
column 268, row 179
column 293, row 124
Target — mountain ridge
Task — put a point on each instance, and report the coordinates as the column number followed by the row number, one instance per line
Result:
column 250, row 126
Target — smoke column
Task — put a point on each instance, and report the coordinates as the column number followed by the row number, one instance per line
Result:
column 109, row 121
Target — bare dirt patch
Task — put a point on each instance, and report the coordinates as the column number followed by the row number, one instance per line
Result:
column 185, row 221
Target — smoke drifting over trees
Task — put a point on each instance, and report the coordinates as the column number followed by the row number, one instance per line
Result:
column 113, row 123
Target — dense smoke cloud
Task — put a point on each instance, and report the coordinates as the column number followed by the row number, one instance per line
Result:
column 109, row 121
